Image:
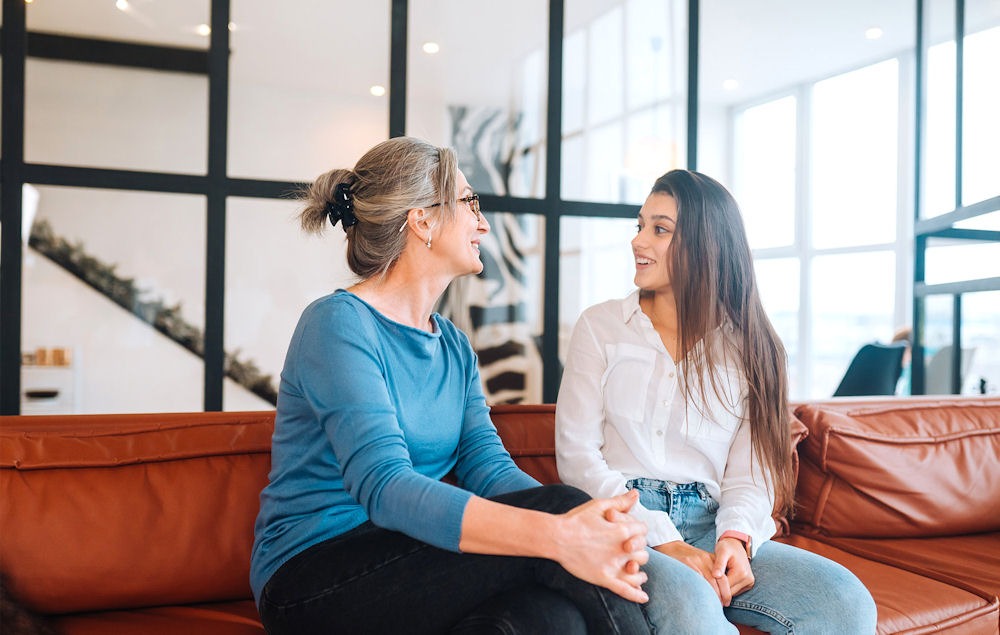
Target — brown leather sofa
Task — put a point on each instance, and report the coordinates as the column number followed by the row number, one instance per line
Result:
column 143, row 523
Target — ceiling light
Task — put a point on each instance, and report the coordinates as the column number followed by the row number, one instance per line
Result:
column 730, row 84
column 203, row 30
column 28, row 1
column 232, row 27
column 377, row 90
column 873, row 33
column 122, row 5
column 431, row 48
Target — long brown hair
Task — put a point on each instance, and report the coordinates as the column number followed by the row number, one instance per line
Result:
column 714, row 286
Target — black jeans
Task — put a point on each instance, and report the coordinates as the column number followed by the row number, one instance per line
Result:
column 370, row 580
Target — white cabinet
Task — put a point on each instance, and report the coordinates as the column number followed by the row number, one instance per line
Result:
column 48, row 390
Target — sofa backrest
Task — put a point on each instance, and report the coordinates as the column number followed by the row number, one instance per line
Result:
column 900, row 467
column 529, row 434
column 119, row 511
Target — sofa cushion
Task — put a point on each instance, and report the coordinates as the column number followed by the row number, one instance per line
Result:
column 903, row 468
column 120, row 511
column 229, row 618
column 970, row 562
column 909, row 602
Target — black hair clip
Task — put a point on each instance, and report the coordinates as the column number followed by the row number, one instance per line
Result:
column 342, row 207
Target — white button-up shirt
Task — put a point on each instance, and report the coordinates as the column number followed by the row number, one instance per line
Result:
column 621, row 414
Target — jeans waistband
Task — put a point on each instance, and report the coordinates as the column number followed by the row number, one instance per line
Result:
column 670, row 487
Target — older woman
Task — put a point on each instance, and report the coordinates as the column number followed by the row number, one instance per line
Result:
column 379, row 399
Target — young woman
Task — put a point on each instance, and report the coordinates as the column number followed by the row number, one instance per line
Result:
column 379, row 399
column 679, row 392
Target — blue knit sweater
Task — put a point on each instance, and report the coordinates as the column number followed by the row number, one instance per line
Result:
column 371, row 414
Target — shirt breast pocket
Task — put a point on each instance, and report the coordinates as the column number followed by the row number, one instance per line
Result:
column 626, row 380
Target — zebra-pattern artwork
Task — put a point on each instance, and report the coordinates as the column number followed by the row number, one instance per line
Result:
column 500, row 309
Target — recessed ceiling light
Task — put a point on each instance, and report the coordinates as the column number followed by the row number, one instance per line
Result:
column 377, row 90
column 203, row 30
column 431, row 48
column 28, row 1
column 232, row 27
column 873, row 33
column 730, row 84
column 121, row 5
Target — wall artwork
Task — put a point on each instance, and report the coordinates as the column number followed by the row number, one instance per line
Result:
column 501, row 308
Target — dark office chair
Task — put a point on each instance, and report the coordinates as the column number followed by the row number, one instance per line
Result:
column 874, row 370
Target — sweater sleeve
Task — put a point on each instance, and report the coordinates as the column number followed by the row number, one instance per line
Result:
column 345, row 383
column 484, row 465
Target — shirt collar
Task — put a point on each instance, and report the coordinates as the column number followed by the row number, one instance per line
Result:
column 630, row 306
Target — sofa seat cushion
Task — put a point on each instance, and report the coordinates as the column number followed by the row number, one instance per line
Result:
column 898, row 469
column 971, row 562
column 228, row 618
column 909, row 602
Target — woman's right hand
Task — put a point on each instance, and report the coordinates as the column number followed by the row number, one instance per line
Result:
column 598, row 540
column 702, row 562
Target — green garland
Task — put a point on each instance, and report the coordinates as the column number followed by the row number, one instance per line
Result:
column 124, row 292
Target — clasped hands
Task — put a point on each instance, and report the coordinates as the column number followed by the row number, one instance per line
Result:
column 727, row 570
column 605, row 546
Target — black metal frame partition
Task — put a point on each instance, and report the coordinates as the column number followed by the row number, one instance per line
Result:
column 217, row 186
column 943, row 226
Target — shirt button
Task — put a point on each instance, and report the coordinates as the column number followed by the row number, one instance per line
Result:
column 670, row 374
column 666, row 403
column 659, row 433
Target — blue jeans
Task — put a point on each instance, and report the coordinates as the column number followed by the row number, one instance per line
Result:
column 372, row 580
column 795, row 591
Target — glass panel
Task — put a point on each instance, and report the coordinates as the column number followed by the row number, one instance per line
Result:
column 852, row 304
column 982, row 337
column 174, row 23
column 852, row 111
column 264, row 302
column 605, row 93
column 605, row 174
column 778, row 284
column 954, row 261
column 573, row 168
column 102, row 116
column 300, row 97
column 980, row 124
column 501, row 309
column 938, row 167
column 765, row 168
column 595, row 265
column 938, row 344
column 574, row 81
column 625, row 96
column 495, row 119
column 114, row 296
column 655, row 51
column 648, row 151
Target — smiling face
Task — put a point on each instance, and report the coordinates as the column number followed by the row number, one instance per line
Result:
column 651, row 245
column 459, row 238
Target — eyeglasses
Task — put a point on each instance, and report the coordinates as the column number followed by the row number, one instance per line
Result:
column 472, row 200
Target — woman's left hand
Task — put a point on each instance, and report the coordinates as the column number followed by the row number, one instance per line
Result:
column 731, row 562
